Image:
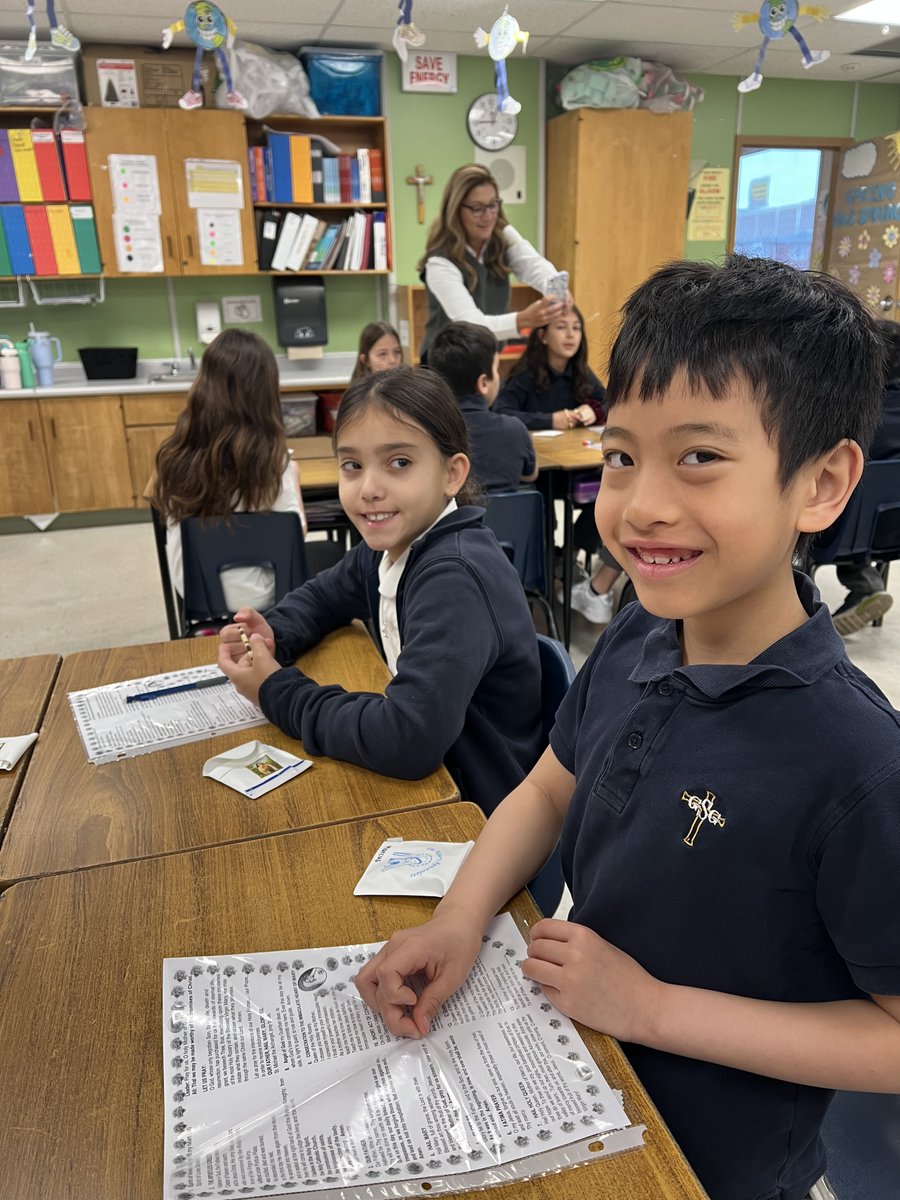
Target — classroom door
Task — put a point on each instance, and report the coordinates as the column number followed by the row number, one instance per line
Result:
column 864, row 247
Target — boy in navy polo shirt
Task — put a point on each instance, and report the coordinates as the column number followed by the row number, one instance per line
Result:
column 726, row 782
column 502, row 451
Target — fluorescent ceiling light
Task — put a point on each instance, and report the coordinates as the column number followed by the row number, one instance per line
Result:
column 875, row 12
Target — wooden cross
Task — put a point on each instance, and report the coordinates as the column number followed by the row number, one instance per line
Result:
column 704, row 813
column 420, row 181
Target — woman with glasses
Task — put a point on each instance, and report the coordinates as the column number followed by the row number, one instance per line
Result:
column 470, row 253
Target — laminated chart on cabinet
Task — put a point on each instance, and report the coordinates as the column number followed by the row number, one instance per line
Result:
column 134, row 181
column 215, row 191
column 278, row 1077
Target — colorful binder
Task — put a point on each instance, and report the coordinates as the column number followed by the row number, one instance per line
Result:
column 5, row 265
column 376, row 169
column 9, row 190
column 41, row 243
column 63, row 237
column 318, row 176
column 78, row 180
column 20, row 258
column 301, row 169
column 25, row 166
column 46, row 155
column 85, row 238
column 280, row 151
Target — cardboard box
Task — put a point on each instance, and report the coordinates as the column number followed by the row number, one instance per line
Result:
column 117, row 76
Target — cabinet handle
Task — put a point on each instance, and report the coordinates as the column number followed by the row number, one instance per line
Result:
column 190, row 242
column 31, row 430
column 169, row 246
column 53, row 426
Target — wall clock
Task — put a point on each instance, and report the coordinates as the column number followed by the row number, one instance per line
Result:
column 488, row 127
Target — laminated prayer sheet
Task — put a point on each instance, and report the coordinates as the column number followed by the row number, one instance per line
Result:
column 278, row 1078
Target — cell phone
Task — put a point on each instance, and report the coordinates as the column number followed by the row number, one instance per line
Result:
column 557, row 286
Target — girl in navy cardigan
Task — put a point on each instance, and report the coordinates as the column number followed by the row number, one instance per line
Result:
column 448, row 608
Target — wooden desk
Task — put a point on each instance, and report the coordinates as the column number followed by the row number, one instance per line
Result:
column 25, row 686
column 80, row 1025
column 72, row 814
column 557, row 457
column 318, row 475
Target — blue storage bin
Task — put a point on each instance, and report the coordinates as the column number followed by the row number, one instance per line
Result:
column 343, row 83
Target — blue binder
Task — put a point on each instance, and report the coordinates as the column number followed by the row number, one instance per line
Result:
column 280, row 152
column 20, row 258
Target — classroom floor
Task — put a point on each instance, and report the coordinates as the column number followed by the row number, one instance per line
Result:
column 84, row 589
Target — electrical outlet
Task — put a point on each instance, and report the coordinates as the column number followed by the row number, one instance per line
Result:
column 242, row 310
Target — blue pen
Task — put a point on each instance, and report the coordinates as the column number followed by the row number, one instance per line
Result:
column 215, row 681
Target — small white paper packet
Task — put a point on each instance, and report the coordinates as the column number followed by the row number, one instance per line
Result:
column 407, row 868
column 254, row 768
column 12, row 749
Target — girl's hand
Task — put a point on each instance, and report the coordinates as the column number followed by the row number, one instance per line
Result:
column 564, row 418
column 440, row 953
column 248, row 621
column 247, row 670
column 540, row 312
column 593, row 982
column 585, row 414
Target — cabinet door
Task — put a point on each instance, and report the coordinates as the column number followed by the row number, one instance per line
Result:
column 129, row 131
column 214, row 135
column 143, row 443
column 88, row 454
column 25, row 478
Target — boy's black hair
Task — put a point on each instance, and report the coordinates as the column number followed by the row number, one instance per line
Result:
column 462, row 353
column 806, row 344
column 891, row 332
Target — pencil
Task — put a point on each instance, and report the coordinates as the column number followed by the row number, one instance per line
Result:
column 246, row 642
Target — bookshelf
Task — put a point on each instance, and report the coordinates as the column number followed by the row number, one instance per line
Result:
column 412, row 313
column 298, row 167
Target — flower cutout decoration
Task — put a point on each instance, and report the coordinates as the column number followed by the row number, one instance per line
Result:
column 889, row 274
column 875, row 259
column 891, row 236
column 853, row 275
column 844, row 247
column 873, row 295
column 863, row 240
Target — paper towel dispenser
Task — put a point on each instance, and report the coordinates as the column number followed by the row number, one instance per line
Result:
column 300, row 316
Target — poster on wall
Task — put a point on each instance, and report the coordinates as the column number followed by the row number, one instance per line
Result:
column 429, row 72
column 708, row 221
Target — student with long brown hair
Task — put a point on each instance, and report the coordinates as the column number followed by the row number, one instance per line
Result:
column 379, row 349
column 470, row 253
column 228, row 454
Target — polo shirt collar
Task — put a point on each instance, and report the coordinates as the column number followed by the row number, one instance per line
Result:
column 389, row 573
column 797, row 659
column 474, row 402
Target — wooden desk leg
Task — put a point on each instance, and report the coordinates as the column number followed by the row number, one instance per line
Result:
column 568, row 550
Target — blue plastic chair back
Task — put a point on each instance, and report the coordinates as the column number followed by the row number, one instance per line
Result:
column 869, row 527
column 861, row 1132
column 517, row 519
column 273, row 540
column 557, row 673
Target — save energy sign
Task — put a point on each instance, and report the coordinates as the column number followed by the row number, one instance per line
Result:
column 430, row 73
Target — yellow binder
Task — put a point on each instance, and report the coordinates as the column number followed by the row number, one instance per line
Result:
column 25, row 166
column 301, row 169
column 63, row 238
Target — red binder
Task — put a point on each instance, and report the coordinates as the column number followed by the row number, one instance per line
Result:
column 75, row 162
column 41, row 242
column 46, row 156
column 345, row 178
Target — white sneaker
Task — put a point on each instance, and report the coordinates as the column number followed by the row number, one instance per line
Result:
column 597, row 608
column 60, row 36
column 816, row 57
column 191, row 100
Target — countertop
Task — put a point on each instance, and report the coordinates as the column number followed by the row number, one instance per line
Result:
column 331, row 370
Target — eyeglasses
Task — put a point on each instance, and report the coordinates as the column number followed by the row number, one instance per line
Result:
column 478, row 210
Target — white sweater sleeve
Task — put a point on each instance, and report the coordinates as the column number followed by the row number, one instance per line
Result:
column 525, row 262
column 445, row 282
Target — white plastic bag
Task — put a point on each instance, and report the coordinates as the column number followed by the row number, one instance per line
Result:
column 270, row 82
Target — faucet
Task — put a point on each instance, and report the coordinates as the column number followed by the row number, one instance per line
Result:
column 192, row 357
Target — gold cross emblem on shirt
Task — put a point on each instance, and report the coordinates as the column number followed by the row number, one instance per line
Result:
column 704, row 813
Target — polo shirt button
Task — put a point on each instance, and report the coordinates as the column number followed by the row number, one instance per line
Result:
column 665, row 688
column 635, row 741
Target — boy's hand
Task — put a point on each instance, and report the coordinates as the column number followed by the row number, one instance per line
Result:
column 591, row 981
column 248, row 671
column 442, row 951
column 249, row 621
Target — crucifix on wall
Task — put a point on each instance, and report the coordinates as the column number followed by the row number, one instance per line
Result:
column 420, row 181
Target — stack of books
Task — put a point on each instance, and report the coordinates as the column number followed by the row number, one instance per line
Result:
column 294, row 168
column 293, row 241
column 40, row 232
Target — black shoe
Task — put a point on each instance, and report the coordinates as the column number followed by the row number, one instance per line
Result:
column 858, row 610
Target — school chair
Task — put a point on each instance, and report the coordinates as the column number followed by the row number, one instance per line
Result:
column 273, row 540
column 861, row 1133
column 517, row 520
column 557, row 673
column 170, row 596
column 868, row 530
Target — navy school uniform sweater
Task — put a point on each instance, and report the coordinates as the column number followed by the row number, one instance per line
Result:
column 519, row 397
column 468, row 685
column 502, row 450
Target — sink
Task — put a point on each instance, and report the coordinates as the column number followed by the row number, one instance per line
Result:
column 180, row 377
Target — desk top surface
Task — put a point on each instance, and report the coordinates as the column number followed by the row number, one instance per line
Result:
column 80, row 1025
column 25, row 686
column 72, row 814
column 567, row 451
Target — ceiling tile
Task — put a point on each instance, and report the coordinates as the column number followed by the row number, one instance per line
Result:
column 679, row 57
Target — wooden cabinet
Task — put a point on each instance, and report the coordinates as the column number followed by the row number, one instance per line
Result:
column 25, row 485
column 617, row 186
column 148, row 422
column 348, row 134
column 85, row 440
column 171, row 136
column 412, row 313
